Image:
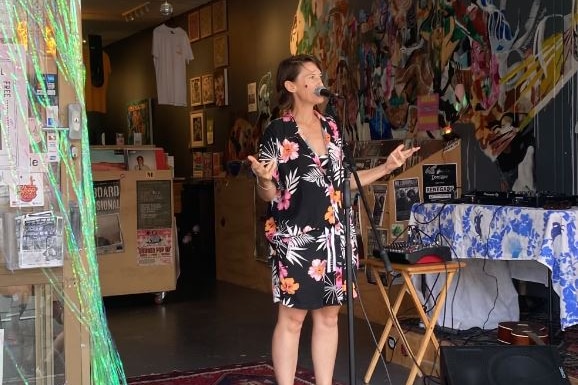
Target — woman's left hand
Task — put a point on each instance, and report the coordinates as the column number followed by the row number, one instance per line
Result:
column 398, row 157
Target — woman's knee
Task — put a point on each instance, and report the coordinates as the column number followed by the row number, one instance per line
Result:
column 327, row 317
column 290, row 318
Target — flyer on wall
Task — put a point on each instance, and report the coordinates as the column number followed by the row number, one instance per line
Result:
column 107, row 203
column 439, row 182
column 154, row 222
column 406, row 194
column 39, row 240
column 154, row 247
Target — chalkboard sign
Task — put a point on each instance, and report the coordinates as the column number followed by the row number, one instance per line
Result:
column 153, row 199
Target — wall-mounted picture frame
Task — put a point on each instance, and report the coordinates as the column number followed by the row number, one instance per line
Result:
column 220, row 51
column 197, row 130
column 219, row 16
column 206, row 21
column 252, row 97
column 139, row 122
column 221, row 81
column 195, row 91
column 210, row 130
column 208, row 88
column 194, row 26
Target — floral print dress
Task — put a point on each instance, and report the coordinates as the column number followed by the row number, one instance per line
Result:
column 305, row 227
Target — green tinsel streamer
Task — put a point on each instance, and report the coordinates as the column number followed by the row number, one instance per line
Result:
column 62, row 18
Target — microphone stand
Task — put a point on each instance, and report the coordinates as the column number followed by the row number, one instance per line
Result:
column 348, row 170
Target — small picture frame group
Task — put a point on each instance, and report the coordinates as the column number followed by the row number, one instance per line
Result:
column 197, row 130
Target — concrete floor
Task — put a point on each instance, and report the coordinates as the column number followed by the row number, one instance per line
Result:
column 221, row 324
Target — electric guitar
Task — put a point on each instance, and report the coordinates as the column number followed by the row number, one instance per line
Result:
column 522, row 333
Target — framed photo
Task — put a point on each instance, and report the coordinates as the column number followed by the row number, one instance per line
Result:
column 220, row 77
column 196, row 91
column 219, row 16
column 139, row 121
column 197, row 130
column 208, row 89
column 252, row 97
column 210, row 131
column 194, row 27
column 206, row 21
column 220, row 51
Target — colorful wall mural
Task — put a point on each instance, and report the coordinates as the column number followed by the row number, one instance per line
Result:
column 492, row 63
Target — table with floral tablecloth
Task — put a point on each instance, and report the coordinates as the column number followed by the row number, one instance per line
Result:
column 508, row 233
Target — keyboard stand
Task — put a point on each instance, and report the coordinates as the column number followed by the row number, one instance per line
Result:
column 429, row 322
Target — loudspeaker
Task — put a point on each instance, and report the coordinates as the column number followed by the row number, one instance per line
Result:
column 96, row 61
column 501, row 365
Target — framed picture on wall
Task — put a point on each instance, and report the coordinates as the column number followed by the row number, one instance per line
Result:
column 219, row 16
column 210, row 131
column 208, row 88
column 195, row 90
column 197, row 130
column 194, row 27
column 252, row 97
column 221, row 81
column 206, row 21
column 220, row 51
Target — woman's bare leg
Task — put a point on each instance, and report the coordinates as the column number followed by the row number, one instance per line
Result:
column 285, row 347
column 324, row 343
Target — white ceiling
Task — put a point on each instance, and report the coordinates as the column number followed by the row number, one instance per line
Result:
column 104, row 17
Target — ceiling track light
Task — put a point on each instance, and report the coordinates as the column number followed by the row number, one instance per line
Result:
column 137, row 12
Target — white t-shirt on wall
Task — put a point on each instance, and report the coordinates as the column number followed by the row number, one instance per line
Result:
column 171, row 54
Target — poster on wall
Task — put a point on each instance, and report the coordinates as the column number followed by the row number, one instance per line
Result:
column 139, row 121
column 380, row 196
column 406, row 194
column 439, row 182
column 154, row 222
column 154, row 247
column 14, row 100
column 38, row 241
column 26, row 189
column 252, row 97
column 373, row 245
column 427, row 112
column 108, row 235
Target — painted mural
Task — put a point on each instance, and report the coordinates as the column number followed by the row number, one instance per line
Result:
column 492, row 63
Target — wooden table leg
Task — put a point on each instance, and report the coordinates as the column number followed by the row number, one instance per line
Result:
column 388, row 324
column 429, row 322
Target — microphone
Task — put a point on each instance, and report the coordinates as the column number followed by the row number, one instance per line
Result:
column 322, row 91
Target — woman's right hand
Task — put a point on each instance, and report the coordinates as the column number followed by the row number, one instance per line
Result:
column 263, row 170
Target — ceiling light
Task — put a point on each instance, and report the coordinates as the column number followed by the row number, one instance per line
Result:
column 136, row 12
column 166, row 8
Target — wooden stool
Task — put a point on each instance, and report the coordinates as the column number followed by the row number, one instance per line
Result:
column 429, row 322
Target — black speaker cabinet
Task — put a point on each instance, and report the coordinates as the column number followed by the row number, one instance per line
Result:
column 96, row 63
column 501, row 365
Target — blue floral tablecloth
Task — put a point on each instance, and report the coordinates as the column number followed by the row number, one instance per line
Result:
column 509, row 233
